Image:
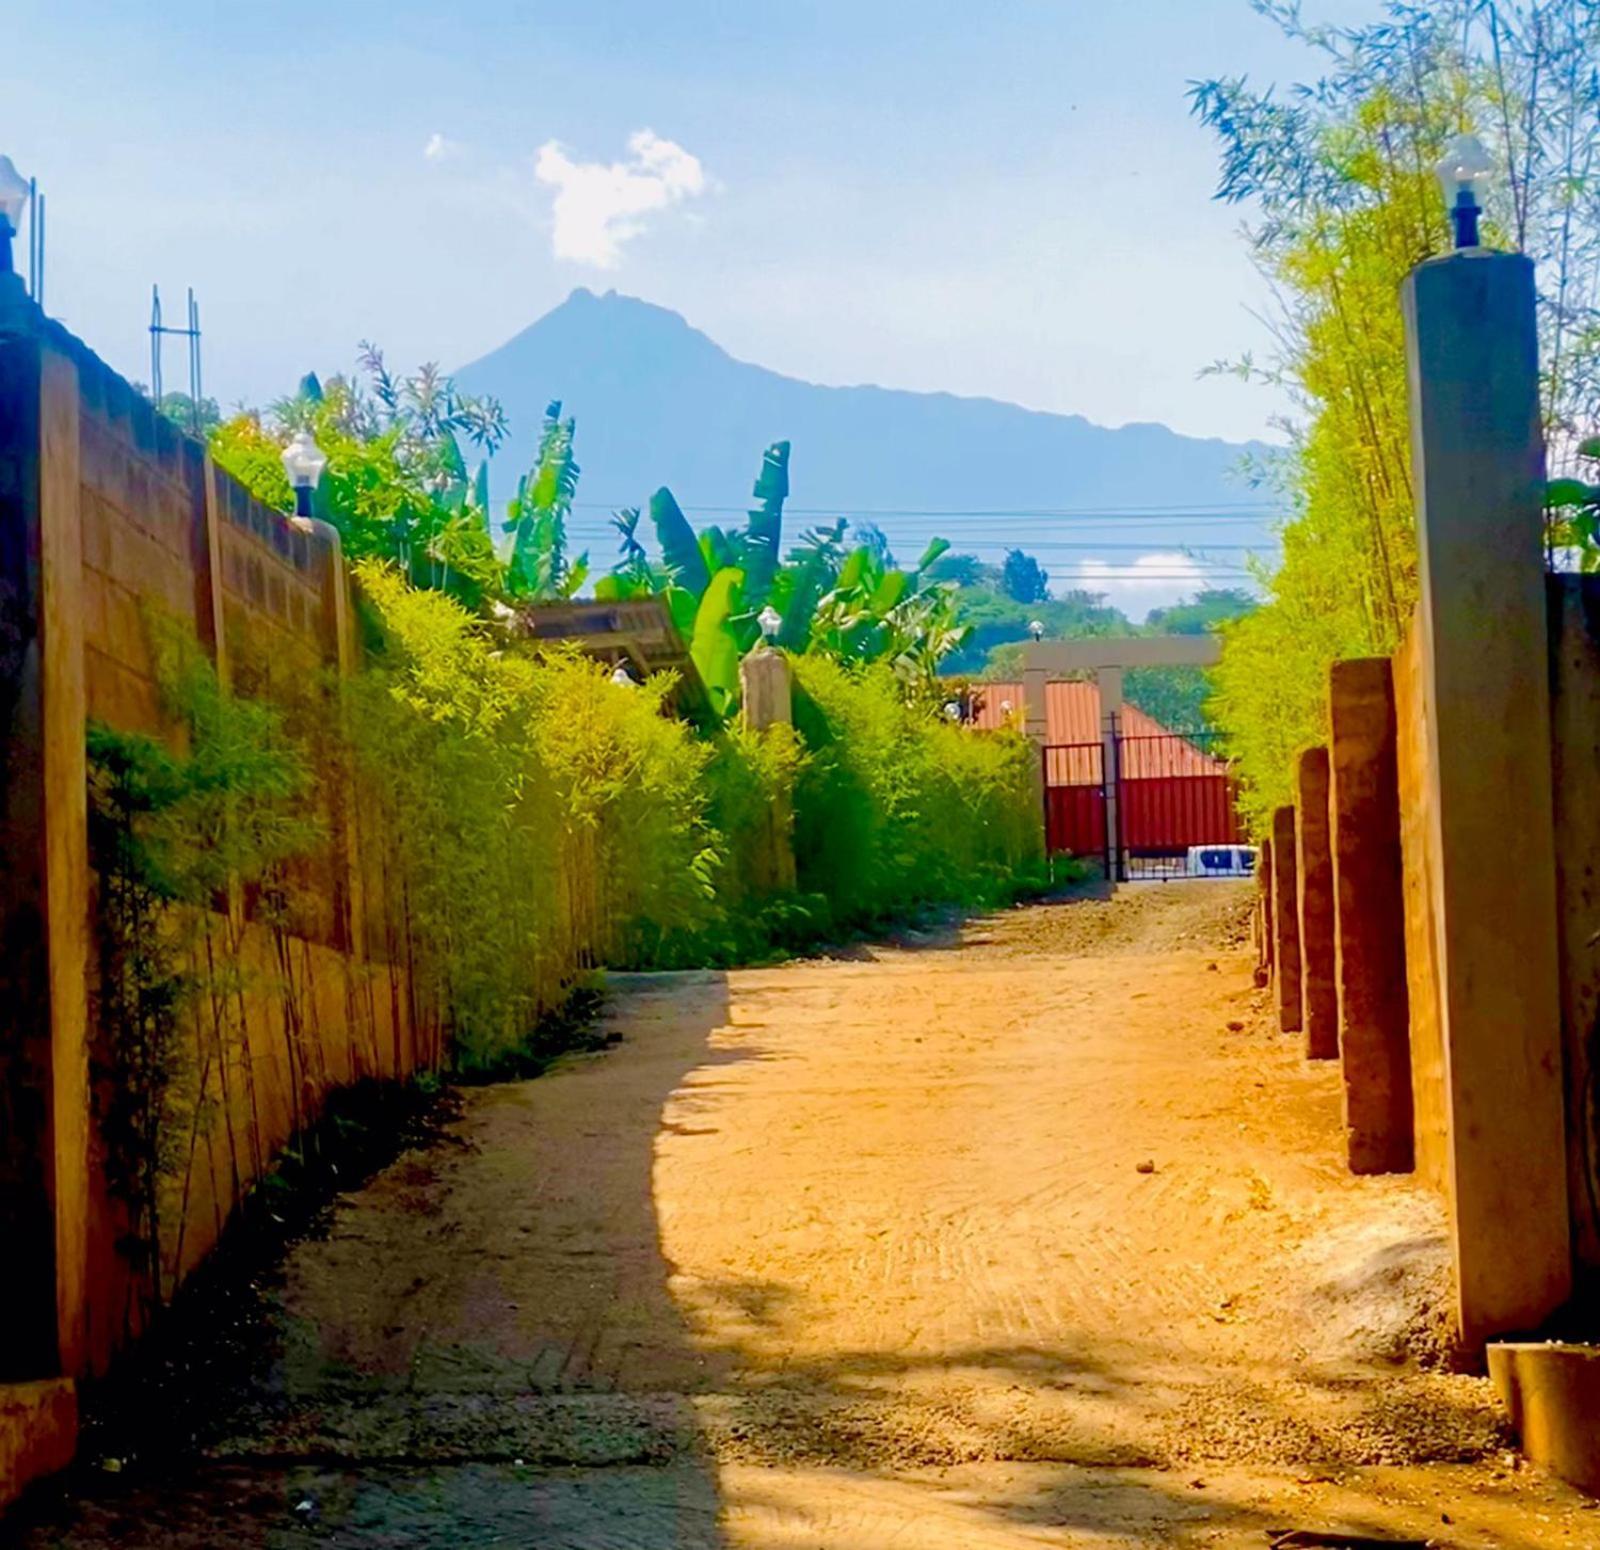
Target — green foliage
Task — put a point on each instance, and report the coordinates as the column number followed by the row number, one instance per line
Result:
column 1202, row 613
column 854, row 604
column 896, row 808
column 537, row 819
column 714, row 643
column 396, row 486
column 1340, row 180
column 539, row 571
column 170, row 833
column 1023, row 579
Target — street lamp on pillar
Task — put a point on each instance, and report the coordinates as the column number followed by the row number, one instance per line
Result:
column 1465, row 171
column 303, row 461
column 13, row 197
column 770, row 621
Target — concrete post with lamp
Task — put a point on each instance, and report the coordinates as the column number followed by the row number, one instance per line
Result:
column 1478, row 458
column 766, row 701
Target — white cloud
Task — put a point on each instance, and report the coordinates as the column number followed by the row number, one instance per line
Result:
column 439, row 148
column 600, row 206
column 1150, row 581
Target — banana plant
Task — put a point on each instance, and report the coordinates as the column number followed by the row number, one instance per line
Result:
column 539, row 570
column 874, row 611
column 852, row 603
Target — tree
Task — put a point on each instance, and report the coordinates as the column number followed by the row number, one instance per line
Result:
column 966, row 570
column 1208, row 608
column 1023, row 579
column 1339, row 178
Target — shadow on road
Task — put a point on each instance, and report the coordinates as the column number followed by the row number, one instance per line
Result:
column 481, row 1348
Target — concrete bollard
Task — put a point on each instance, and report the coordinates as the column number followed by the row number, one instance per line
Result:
column 1319, row 986
column 1369, row 935
column 1286, row 920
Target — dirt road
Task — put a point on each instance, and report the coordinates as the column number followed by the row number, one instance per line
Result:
column 1034, row 1238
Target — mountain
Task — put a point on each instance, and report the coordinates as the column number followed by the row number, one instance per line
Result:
column 658, row 402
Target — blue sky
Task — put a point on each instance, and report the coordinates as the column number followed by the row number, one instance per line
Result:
column 1008, row 199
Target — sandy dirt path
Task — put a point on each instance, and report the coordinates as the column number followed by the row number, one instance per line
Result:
column 1038, row 1237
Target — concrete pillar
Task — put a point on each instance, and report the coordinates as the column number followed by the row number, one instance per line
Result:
column 1108, row 681
column 1286, row 920
column 1319, row 986
column 1264, row 933
column 1473, row 369
column 1369, row 938
column 44, row 884
column 1035, row 705
column 766, row 701
column 764, row 689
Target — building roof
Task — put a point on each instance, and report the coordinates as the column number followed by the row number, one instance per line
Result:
column 1073, row 734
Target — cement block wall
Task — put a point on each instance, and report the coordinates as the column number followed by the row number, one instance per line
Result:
column 1574, row 605
column 109, row 515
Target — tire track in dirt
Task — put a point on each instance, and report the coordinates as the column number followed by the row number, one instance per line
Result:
column 860, row 1254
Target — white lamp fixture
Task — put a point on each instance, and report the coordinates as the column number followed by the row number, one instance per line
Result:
column 771, row 621
column 1036, row 628
column 303, row 462
column 1465, row 173
column 622, row 678
column 13, row 198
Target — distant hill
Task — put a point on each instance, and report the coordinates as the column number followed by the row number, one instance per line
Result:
column 657, row 402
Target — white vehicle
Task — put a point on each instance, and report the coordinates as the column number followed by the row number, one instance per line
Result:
column 1221, row 861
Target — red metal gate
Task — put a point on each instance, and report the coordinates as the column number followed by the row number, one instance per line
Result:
column 1075, row 800
column 1167, row 792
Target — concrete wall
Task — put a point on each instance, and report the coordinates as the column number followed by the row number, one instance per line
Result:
column 1575, row 739
column 108, row 518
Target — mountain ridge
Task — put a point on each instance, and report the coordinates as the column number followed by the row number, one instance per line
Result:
column 658, row 401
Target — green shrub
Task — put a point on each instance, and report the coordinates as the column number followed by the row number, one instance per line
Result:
column 533, row 819
column 896, row 808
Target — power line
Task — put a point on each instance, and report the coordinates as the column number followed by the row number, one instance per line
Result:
column 1242, row 512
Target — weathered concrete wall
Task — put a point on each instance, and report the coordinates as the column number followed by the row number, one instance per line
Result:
column 1575, row 744
column 38, row 1432
column 1429, row 1095
column 1286, row 920
column 110, row 518
column 1319, row 990
column 1369, row 937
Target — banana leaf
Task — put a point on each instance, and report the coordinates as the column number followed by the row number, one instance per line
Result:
column 763, row 535
column 715, row 645
column 717, row 550
column 680, row 550
column 890, row 589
